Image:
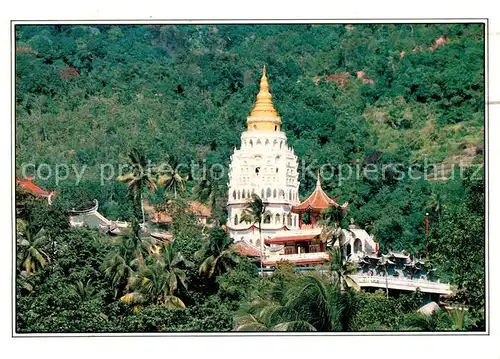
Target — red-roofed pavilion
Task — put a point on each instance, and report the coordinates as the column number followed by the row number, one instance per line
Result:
column 32, row 188
column 315, row 204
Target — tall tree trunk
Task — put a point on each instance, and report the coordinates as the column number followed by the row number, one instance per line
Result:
column 386, row 284
column 142, row 211
column 261, row 250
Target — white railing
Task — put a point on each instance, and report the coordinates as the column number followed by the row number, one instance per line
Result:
column 402, row 283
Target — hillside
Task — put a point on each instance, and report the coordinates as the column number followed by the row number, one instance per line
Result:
column 397, row 98
column 358, row 94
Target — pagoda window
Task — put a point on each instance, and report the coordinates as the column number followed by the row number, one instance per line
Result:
column 267, row 143
column 238, row 194
column 290, row 194
column 235, row 219
column 274, row 193
column 282, row 194
column 277, row 220
column 281, row 144
column 284, row 218
column 294, row 221
column 259, row 143
column 262, row 193
column 234, row 194
column 276, row 127
column 267, row 218
column 251, row 143
column 257, row 170
column 275, row 142
column 268, row 193
column 289, row 222
column 243, row 194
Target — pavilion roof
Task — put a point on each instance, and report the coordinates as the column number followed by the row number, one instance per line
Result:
column 29, row 186
column 318, row 201
column 245, row 249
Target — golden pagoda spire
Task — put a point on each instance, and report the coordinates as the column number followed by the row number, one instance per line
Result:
column 264, row 115
column 318, row 181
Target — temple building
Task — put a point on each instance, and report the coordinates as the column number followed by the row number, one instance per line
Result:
column 264, row 165
column 267, row 166
column 27, row 185
column 306, row 245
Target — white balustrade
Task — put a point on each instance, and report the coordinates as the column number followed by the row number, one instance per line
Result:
column 401, row 283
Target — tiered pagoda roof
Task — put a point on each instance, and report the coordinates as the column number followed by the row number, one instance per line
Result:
column 318, row 201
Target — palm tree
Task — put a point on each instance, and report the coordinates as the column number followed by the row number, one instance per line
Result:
column 141, row 176
column 251, row 323
column 207, row 190
column 172, row 180
column 437, row 203
column 384, row 264
column 158, row 281
column 30, row 255
column 311, row 304
column 321, row 299
column 127, row 257
column 216, row 254
column 331, row 220
column 254, row 212
column 342, row 269
column 82, row 291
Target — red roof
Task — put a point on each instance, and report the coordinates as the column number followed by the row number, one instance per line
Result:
column 246, row 250
column 291, row 238
column 316, row 202
column 199, row 209
column 29, row 186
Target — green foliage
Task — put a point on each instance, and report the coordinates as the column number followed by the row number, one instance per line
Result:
column 459, row 234
column 216, row 254
column 91, row 95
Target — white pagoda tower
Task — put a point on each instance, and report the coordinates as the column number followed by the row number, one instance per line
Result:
column 264, row 165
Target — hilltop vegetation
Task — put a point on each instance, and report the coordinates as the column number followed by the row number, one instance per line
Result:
column 348, row 95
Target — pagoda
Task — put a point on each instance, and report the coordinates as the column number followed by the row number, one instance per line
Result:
column 264, row 165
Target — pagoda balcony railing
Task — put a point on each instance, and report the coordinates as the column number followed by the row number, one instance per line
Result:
column 379, row 281
column 298, row 256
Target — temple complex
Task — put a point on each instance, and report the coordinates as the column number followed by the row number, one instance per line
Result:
column 267, row 166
